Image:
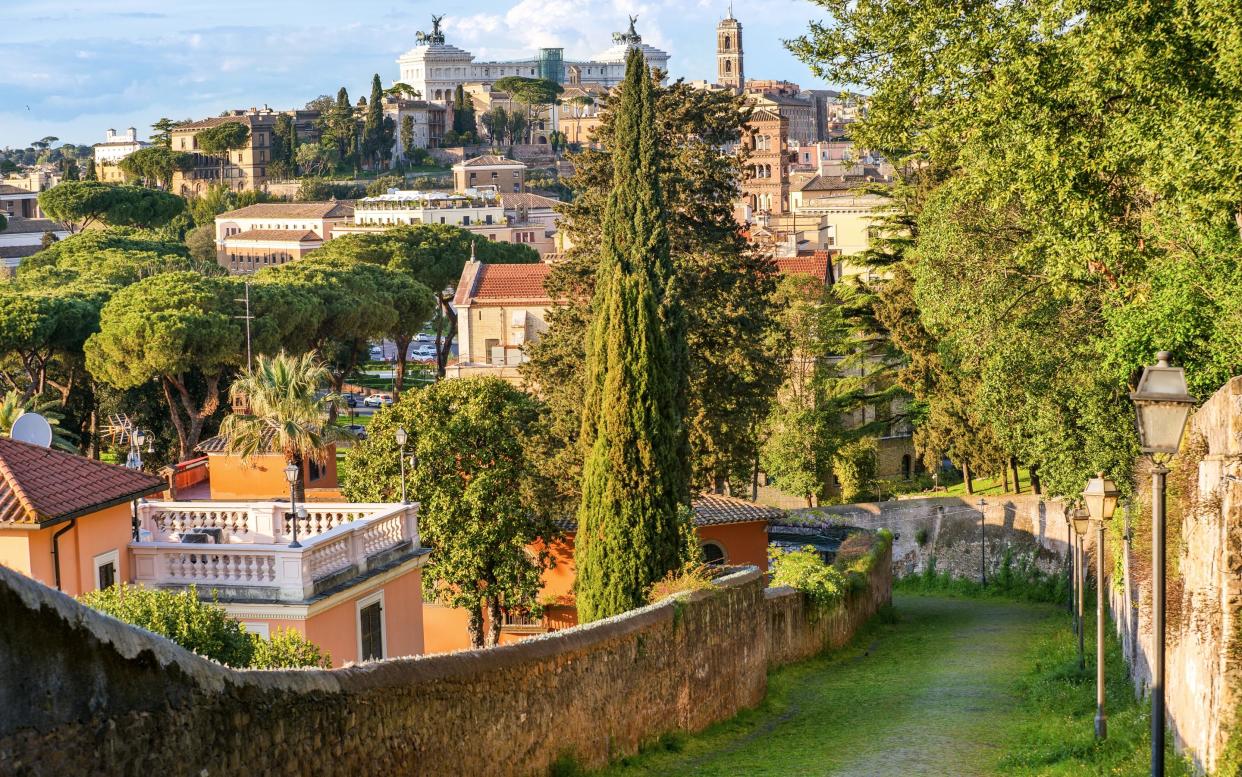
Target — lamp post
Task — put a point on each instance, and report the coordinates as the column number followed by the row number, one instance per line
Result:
column 1068, row 511
column 1162, row 406
column 983, row 546
column 1101, row 496
column 291, row 474
column 1081, row 520
column 401, row 439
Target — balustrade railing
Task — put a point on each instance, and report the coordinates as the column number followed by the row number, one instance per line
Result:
column 254, row 553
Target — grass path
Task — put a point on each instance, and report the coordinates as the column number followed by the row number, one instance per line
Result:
column 922, row 696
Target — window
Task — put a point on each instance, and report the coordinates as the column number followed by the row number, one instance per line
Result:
column 371, row 637
column 316, row 470
column 713, row 553
column 106, row 568
column 259, row 628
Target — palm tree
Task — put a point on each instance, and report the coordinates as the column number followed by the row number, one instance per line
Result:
column 14, row 405
column 283, row 412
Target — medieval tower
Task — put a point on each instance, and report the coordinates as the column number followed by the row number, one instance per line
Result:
column 729, row 53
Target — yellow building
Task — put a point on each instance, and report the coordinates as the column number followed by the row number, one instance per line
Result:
column 500, row 308
column 245, row 168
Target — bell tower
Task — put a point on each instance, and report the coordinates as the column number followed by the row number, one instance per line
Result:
column 729, row 53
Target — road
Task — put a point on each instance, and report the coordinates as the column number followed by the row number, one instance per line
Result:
column 929, row 695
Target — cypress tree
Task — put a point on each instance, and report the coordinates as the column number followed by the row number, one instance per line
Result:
column 632, row 522
column 373, row 127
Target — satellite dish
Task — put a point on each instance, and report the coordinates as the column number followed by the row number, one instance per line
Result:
column 32, row 428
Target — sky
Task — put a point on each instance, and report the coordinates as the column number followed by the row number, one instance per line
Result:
column 74, row 70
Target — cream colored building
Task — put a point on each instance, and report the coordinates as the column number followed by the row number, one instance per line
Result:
column 116, row 147
column 271, row 233
column 245, row 168
column 427, row 123
column 501, row 308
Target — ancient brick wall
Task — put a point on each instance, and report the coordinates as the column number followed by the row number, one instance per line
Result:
column 84, row 694
column 1027, row 527
column 1203, row 644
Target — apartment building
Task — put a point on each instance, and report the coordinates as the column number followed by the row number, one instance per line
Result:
column 506, row 175
column 272, row 233
column 244, row 169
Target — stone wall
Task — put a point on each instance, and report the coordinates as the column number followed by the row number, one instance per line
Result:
column 1203, row 653
column 84, row 694
column 947, row 529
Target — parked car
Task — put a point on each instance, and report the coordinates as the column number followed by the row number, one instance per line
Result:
column 423, row 351
column 423, row 337
column 359, row 431
column 350, row 399
column 377, row 400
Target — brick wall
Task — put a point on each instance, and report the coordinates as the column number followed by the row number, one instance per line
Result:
column 88, row 695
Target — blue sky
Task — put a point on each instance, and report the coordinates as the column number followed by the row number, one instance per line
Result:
column 76, row 69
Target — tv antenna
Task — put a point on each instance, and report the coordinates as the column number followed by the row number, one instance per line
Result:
column 248, row 318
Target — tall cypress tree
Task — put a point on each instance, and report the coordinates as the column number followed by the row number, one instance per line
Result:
column 635, row 482
column 373, row 127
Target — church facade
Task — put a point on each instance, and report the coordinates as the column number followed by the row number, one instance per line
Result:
column 435, row 68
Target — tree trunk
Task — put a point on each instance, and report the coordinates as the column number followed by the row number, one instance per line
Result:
column 444, row 343
column 754, row 480
column 1005, row 476
column 299, row 487
column 398, row 379
column 968, row 477
column 475, row 625
column 495, row 621
column 189, row 428
column 1017, row 481
column 1036, row 486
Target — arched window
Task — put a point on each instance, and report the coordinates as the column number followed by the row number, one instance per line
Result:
column 713, row 553
column 728, row 44
column 728, row 66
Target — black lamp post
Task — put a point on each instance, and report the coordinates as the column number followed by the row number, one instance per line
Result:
column 983, row 545
column 1101, row 497
column 1082, row 519
column 401, row 440
column 291, row 474
column 1162, row 406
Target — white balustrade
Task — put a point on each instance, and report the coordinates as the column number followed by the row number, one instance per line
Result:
column 334, row 538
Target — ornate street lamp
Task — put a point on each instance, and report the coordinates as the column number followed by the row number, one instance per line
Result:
column 291, row 474
column 1162, row 406
column 1101, row 497
column 401, row 440
column 1082, row 519
column 983, row 546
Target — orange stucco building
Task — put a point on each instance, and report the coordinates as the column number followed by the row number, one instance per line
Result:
column 731, row 531
column 66, row 520
column 231, row 476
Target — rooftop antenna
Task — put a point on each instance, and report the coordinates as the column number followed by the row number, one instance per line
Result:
column 32, row 428
column 248, row 318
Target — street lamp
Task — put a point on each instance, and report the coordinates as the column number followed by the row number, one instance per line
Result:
column 1162, row 406
column 1068, row 511
column 1082, row 519
column 983, row 547
column 401, row 439
column 291, row 474
column 1101, row 496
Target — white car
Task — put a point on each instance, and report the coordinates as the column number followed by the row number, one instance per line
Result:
column 423, row 337
column 423, row 351
column 377, row 400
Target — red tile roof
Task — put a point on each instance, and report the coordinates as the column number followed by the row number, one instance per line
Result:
column 292, row 210
column 818, row 264
column 44, row 486
column 714, row 510
column 496, row 282
column 277, row 235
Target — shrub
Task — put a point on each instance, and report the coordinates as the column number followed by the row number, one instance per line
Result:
column 855, row 467
column 180, row 616
column 693, row 577
column 287, row 649
column 805, row 571
column 921, row 536
column 855, row 546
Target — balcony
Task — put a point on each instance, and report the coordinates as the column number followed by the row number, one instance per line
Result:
column 241, row 549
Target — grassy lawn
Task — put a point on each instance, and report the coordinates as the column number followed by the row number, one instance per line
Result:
column 946, row 687
column 991, row 486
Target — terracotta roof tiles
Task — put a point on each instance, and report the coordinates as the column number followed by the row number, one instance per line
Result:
column 715, row 510
column 494, row 282
column 491, row 160
column 276, row 235
column 292, row 210
column 43, row 486
column 818, row 264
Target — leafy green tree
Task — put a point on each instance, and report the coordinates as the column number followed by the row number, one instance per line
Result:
column 481, row 503
column 163, row 132
column 286, row 414
column 156, row 165
column 432, row 254
column 181, row 616
column 284, row 148
column 91, row 173
column 463, row 116
column 179, row 329
column 414, row 305
column 78, row 204
column 407, row 138
column 287, row 649
column 201, row 241
column 340, row 129
column 221, row 140
column 530, row 92
column 496, row 122
column 635, row 482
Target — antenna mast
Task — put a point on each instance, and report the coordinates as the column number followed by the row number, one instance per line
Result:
column 247, row 317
